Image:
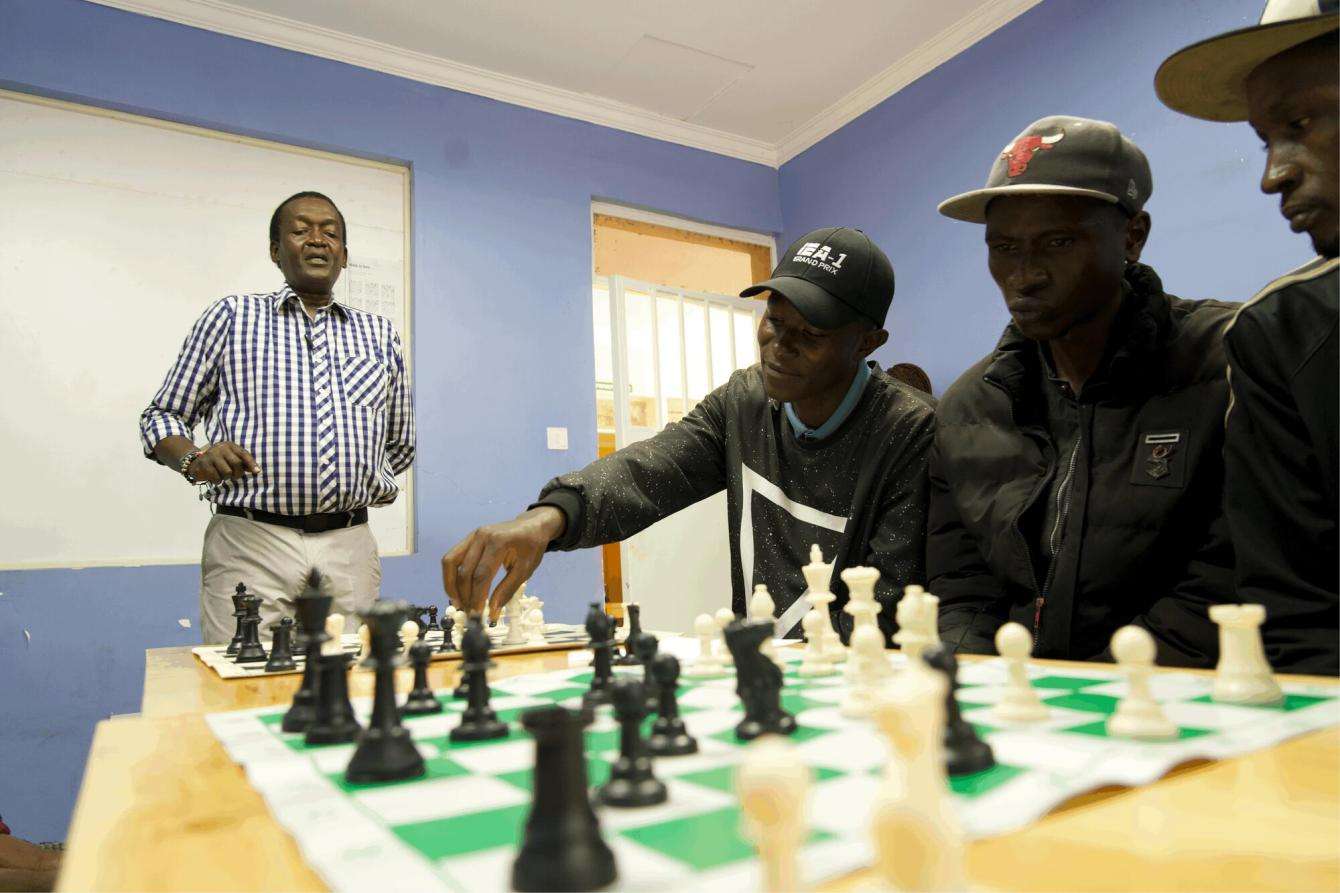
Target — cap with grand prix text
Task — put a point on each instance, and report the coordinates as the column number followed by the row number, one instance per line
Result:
column 834, row 276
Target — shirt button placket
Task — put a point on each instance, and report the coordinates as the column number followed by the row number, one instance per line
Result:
column 328, row 472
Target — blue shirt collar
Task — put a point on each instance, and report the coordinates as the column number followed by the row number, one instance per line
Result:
column 287, row 295
column 805, row 432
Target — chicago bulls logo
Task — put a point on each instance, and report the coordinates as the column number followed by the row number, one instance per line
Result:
column 1020, row 152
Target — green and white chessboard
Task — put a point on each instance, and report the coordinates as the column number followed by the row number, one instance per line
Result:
column 458, row 827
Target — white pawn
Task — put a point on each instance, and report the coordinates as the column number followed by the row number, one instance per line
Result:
column 815, row 659
column 917, row 837
column 409, row 634
column 724, row 618
column 868, row 669
column 773, row 784
column 928, row 615
column 364, row 642
column 1138, row 715
column 1243, row 675
column 513, row 613
column 1020, row 702
column 534, row 623
column 762, row 607
column 335, row 630
column 708, row 663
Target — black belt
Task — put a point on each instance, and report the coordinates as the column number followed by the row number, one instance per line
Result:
column 305, row 523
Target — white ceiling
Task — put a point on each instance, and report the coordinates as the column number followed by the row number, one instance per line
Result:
column 756, row 79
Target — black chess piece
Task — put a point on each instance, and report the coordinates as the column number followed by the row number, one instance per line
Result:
column 599, row 627
column 416, row 613
column 644, row 649
column 965, row 752
column 758, row 680
column 334, row 722
column 385, row 751
column 432, row 618
column 631, row 780
column 479, row 722
column 421, row 701
column 312, row 609
column 448, row 623
column 251, row 650
column 629, row 658
column 281, row 646
column 239, row 593
column 562, row 848
column 668, row 736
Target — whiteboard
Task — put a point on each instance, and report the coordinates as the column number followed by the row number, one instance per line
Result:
column 116, row 232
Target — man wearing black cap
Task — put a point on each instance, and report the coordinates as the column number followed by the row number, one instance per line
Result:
column 1280, row 447
column 813, row 445
column 1077, row 470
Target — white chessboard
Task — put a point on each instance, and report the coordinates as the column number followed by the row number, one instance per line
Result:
column 558, row 637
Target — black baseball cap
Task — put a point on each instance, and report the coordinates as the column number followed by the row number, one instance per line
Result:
column 834, row 276
column 1062, row 155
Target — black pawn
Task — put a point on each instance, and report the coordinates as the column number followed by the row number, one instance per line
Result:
column 631, row 780
column 965, row 752
column 562, row 848
column 251, row 650
column 644, row 648
column 281, row 646
column 758, row 680
column 312, row 609
column 447, row 624
column 432, row 618
column 668, row 736
column 385, row 752
column 239, row 594
column 599, row 627
column 479, row 722
column 629, row 657
column 334, row 722
column 421, row 701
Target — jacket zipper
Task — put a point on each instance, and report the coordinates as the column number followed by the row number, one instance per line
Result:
column 1063, row 491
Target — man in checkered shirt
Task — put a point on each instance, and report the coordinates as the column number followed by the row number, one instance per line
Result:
column 308, row 418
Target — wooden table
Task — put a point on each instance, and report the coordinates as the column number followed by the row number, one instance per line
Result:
column 162, row 807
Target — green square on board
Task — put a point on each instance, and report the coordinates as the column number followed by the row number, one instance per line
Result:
column 1088, row 703
column 983, row 782
column 1071, row 683
column 704, row 841
column 460, row 834
column 437, row 767
column 1291, row 702
column 1099, row 730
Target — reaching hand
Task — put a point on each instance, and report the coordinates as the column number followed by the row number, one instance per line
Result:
column 223, row 461
column 516, row 545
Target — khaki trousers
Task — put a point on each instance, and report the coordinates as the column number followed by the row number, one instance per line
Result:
column 273, row 562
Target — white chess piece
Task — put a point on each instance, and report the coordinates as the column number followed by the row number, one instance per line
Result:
column 364, row 642
column 514, row 612
column 917, row 616
column 818, row 658
column 409, row 634
column 724, row 618
column 334, row 629
column 861, row 604
column 1020, row 702
column 708, row 663
column 773, row 784
column 1138, row 715
column 762, row 607
column 868, row 671
column 534, row 623
column 1243, row 675
column 918, row 841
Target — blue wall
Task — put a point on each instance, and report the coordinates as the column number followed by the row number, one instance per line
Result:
column 502, row 272
column 1214, row 235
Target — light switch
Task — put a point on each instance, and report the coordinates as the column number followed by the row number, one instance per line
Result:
column 557, row 437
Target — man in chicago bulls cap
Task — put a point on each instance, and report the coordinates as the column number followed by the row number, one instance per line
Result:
column 814, row 445
column 1076, row 473
column 1283, row 354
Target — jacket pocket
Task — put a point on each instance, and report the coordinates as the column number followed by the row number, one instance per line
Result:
column 1160, row 459
column 364, row 381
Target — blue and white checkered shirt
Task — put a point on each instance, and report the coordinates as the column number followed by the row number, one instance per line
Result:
column 323, row 404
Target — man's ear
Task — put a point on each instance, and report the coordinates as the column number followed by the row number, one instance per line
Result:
column 873, row 340
column 344, row 264
column 274, row 253
column 1137, row 233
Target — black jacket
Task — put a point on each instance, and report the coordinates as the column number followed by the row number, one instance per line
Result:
column 1147, row 542
column 1281, row 456
column 860, row 493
